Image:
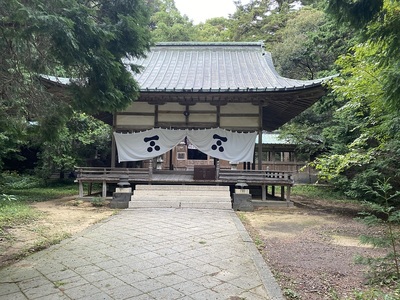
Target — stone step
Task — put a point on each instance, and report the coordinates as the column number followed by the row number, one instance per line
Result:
column 181, row 198
column 140, row 193
column 147, row 187
column 178, row 204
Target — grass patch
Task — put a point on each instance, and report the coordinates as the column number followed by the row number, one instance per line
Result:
column 44, row 193
column 17, row 191
column 17, row 214
column 14, row 214
column 319, row 192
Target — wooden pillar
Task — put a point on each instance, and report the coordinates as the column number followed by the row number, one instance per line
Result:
column 263, row 193
column 260, row 140
column 288, row 194
column 282, row 193
column 104, row 189
column 113, row 145
column 273, row 191
column 150, row 169
column 171, row 167
column 217, row 168
column 218, row 120
column 80, row 189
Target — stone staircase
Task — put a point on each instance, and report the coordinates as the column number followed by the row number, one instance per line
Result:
column 181, row 196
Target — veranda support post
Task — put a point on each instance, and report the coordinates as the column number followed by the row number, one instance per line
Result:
column 104, row 189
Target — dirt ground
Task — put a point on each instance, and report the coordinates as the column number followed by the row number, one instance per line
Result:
column 59, row 219
column 310, row 247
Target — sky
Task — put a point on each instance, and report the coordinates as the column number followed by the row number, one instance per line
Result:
column 201, row 10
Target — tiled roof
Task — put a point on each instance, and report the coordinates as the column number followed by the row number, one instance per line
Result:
column 213, row 67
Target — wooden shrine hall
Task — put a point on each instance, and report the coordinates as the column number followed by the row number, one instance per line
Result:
column 188, row 88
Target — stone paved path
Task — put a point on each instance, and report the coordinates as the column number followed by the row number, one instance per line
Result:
column 148, row 254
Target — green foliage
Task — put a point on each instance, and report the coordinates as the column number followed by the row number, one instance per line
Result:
column 168, row 25
column 357, row 12
column 82, row 141
column 375, row 293
column 83, row 40
column 383, row 212
column 379, row 21
column 28, row 189
column 14, row 181
column 7, row 199
column 309, row 44
column 98, row 202
column 214, row 30
column 259, row 20
column 319, row 192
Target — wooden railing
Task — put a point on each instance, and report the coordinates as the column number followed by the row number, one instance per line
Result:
column 142, row 175
column 111, row 174
column 257, row 176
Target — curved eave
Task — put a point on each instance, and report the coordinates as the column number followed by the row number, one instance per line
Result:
column 233, row 90
column 280, row 111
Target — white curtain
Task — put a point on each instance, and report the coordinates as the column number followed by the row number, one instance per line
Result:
column 218, row 143
column 224, row 144
column 147, row 144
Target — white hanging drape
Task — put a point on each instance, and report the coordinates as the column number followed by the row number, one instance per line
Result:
column 218, row 143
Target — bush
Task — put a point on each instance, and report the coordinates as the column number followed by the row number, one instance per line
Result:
column 383, row 213
column 98, row 201
column 7, row 199
column 15, row 181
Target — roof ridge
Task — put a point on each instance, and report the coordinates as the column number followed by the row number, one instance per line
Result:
column 259, row 44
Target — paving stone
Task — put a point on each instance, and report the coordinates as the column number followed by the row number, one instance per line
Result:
column 142, row 297
column 8, row 288
column 155, row 272
column 206, row 294
column 124, row 292
column 189, row 273
column 83, row 292
column 40, row 291
column 189, row 287
column 166, row 293
column 227, row 290
column 147, row 254
column 170, row 279
column 61, row 275
column 133, row 277
column 208, row 281
column 97, row 276
column 73, row 282
column 13, row 296
column 148, row 285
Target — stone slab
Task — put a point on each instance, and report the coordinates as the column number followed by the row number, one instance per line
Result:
column 149, row 254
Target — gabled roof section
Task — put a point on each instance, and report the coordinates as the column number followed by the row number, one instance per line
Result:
column 212, row 67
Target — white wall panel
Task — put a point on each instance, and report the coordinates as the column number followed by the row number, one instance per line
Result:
column 135, row 121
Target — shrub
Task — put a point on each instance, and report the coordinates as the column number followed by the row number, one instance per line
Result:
column 383, row 212
column 98, row 201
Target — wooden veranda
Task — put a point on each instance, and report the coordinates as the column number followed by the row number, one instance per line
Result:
column 233, row 178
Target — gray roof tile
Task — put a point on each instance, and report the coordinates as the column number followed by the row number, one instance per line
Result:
column 212, row 66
